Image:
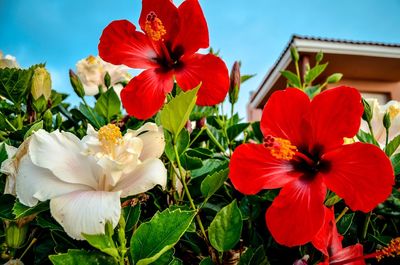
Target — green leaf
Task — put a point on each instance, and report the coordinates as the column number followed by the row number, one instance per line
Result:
column 293, row 79
column 345, row 222
column 165, row 259
column 225, row 230
column 236, row 129
column 189, row 162
column 104, row 243
column 15, row 84
column 6, row 203
column 20, row 210
column 199, row 152
column 396, row 163
column 182, row 143
column 108, row 104
column 35, row 127
column 3, row 153
column 175, row 113
column 206, row 261
column 383, row 240
column 209, row 167
column 95, row 119
column 392, row 146
column 161, row 233
column 199, row 112
column 366, row 138
column 334, row 78
column 132, row 215
column 82, row 257
column 254, row 256
column 48, row 224
column 244, row 78
column 257, row 131
column 312, row 91
column 213, row 182
column 332, row 200
column 314, row 72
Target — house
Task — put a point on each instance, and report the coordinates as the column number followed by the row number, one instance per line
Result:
column 371, row 67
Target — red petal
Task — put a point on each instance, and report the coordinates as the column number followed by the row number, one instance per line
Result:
column 359, row 173
column 166, row 11
column 120, row 43
column 348, row 253
column 253, row 168
column 145, row 94
column 283, row 115
column 210, row 71
column 297, row 214
column 334, row 114
column 193, row 32
column 328, row 240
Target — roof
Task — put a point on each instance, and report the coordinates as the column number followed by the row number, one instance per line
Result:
column 307, row 44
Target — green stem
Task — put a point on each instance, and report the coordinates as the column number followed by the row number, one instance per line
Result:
column 9, row 124
column 91, row 113
column 342, row 214
column 197, row 135
column 232, row 109
column 366, row 224
column 323, row 85
column 122, row 239
column 193, row 206
column 387, row 138
column 370, row 129
column 296, row 63
column 214, row 140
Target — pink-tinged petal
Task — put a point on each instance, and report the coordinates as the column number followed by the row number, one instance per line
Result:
column 193, row 31
column 35, row 184
column 328, row 240
column 335, row 114
column 297, row 214
column 166, row 11
column 61, row 153
column 145, row 94
column 207, row 70
column 353, row 254
column 283, row 115
column 253, row 168
column 359, row 173
column 120, row 43
column 86, row 211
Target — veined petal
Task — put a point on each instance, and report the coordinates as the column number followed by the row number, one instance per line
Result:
column 35, row 184
column 120, row 43
column 334, row 114
column 207, row 70
column 60, row 152
column 166, row 11
column 253, row 168
column 147, row 175
column 283, row 115
column 297, row 214
column 86, row 211
column 359, row 173
column 354, row 251
column 145, row 94
column 193, row 31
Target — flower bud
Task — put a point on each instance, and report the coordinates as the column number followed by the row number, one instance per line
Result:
column 319, row 56
column 76, row 84
column 41, row 83
column 48, row 120
column 201, row 123
column 107, row 80
column 367, row 115
column 234, row 84
column 386, row 120
column 15, row 234
column 294, row 54
column 189, row 127
column 58, row 121
column 334, row 78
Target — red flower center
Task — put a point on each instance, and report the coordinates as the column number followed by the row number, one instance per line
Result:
column 154, row 27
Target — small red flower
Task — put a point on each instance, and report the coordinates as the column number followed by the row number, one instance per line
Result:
column 166, row 49
column 304, row 154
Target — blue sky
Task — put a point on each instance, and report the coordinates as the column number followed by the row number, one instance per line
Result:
column 62, row 32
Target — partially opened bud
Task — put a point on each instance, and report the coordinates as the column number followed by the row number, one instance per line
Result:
column 234, row 84
column 41, row 83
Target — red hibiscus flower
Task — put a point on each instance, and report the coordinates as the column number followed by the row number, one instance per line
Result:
column 303, row 154
column 329, row 242
column 166, row 49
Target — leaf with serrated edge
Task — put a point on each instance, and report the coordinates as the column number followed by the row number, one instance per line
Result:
column 213, row 182
column 82, row 257
column 161, row 233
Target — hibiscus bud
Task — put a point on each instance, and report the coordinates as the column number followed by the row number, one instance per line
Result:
column 201, row 123
column 386, row 121
column 319, row 56
column 189, row 127
column 107, row 80
column 48, row 120
column 294, row 54
column 334, row 78
column 15, row 234
column 367, row 115
column 234, row 84
column 41, row 83
column 76, row 84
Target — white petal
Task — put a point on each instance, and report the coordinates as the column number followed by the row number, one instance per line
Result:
column 34, row 183
column 153, row 140
column 61, row 153
column 86, row 211
column 146, row 175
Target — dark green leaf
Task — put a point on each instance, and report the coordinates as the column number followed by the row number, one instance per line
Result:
column 225, row 230
column 392, row 146
column 312, row 91
column 199, row 112
column 396, row 163
column 344, row 223
column 254, row 256
column 20, row 210
column 95, row 119
column 3, row 153
column 189, row 162
column 206, row 261
column 51, row 225
column 15, row 84
column 213, row 182
column 236, row 129
column 366, row 138
column 314, row 72
column 161, row 233
column 293, row 79
column 132, row 215
column 199, row 152
column 82, row 257
column 35, row 127
column 108, row 104
column 244, row 78
column 6, row 206
column 209, row 167
column 182, row 143
column 104, row 243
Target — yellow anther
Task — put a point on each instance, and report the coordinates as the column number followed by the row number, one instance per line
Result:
column 91, row 59
column 393, row 112
column 280, row 148
column 154, row 27
column 110, row 136
column 392, row 250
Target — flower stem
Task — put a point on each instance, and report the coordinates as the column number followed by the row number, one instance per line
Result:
column 342, row 214
column 122, row 239
column 370, row 129
column 91, row 113
column 214, row 140
column 197, row 135
column 387, row 138
column 366, row 224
